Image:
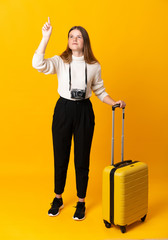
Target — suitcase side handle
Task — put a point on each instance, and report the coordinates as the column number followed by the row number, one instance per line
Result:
column 122, row 137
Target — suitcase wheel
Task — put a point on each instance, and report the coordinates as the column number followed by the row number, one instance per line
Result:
column 143, row 218
column 123, row 229
column 107, row 224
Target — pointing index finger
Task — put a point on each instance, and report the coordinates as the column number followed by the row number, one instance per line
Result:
column 49, row 20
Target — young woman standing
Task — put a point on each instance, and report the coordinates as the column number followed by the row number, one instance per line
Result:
column 79, row 73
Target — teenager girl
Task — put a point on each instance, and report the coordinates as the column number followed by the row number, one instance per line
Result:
column 79, row 73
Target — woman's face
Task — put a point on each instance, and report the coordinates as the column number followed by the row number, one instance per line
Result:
column 75, row 40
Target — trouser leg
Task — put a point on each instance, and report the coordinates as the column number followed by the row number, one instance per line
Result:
column 83, row 134
column 62, row 134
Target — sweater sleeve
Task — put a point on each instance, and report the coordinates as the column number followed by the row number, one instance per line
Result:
column 98, row 85
column 46, row 66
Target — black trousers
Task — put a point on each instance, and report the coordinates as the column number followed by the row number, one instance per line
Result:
column 72, row 118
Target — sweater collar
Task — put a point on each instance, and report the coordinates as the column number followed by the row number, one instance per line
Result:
column 78, row 58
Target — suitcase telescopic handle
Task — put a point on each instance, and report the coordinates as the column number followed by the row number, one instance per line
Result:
column 122, row 137
column 115, row 106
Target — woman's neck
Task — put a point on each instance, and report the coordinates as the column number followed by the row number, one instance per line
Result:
column 77, row 53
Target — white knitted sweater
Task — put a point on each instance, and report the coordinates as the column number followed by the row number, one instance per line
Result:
column 55, row 65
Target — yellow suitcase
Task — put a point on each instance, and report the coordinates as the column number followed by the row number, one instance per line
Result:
column 125, row 189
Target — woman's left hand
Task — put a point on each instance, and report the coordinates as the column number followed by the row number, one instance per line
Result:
column 122, row 103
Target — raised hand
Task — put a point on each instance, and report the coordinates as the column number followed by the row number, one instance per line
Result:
column 47, row 29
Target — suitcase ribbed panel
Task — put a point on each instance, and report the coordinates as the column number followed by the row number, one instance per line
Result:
column 130, row 193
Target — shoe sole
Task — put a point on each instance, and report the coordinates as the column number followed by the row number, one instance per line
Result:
column 78, row 219
column 54, row 215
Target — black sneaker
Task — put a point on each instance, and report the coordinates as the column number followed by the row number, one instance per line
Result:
column 80, row 211
column 56, row 205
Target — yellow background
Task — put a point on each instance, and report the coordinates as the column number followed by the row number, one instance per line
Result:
column 129, row 38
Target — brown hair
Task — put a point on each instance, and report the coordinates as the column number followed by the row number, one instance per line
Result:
column 88, row 54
